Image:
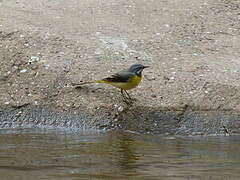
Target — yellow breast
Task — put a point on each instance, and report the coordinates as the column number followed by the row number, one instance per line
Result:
column 134, row 82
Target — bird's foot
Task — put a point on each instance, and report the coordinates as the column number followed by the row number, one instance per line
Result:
column 129, row 101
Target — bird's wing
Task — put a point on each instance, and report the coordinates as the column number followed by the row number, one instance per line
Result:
column 122, row 76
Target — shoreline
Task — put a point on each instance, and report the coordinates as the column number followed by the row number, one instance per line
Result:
column 192, row 48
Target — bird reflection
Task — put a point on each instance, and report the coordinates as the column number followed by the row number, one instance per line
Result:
column 126, row 151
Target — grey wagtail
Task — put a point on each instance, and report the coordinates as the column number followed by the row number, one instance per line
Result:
column 125, row 80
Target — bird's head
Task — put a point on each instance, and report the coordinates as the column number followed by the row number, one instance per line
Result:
column 137, row 69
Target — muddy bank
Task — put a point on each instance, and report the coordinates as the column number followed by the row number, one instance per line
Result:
column 137, row 119
column 192, row 86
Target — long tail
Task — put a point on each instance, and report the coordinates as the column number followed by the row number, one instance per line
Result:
column 89, row 82
column 79, row 85
column 83, row 83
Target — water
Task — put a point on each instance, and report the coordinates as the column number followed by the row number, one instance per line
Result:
column 32, row 154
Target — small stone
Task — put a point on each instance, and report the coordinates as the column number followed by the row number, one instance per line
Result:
column 33, row 59
column 7, row 102
column 23, row 70
column 15, row 68
column 120, row 109
column 98, row 52
column 46, row 66
column 153, row 95
column 19, row 113
column 34, row 66
column 149, row 78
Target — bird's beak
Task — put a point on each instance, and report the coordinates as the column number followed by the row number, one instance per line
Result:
column 146, row 66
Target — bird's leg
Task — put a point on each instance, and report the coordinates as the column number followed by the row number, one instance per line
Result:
column 123, row 94
column 126, row 99
column 129, row 97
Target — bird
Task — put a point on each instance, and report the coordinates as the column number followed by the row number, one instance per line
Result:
column 124, row 80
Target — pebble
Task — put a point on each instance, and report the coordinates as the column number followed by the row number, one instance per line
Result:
column 23, row 70
column 120, row 109
column 34, row 66
column 149, row 78
column 153, row 96
column 19, row 113
column 33, row 59
column 98, row 52
column 46, row 66
column 15, row 68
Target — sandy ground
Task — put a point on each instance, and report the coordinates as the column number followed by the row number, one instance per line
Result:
column 193, row 48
